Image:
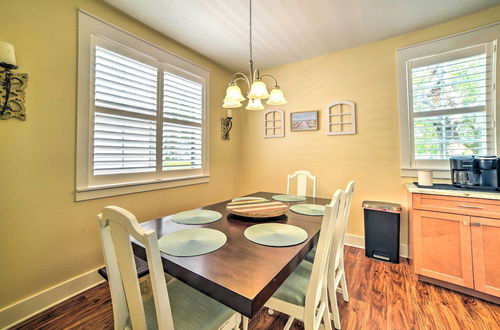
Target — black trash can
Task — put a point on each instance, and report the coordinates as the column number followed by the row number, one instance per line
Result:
column 382, row 221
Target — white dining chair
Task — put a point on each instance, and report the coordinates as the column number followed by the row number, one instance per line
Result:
column 172, row 306
column 302, row 178
column 336, row 274
column 304, row 294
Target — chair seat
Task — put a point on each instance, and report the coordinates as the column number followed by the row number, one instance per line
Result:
column 294, row 289
column 191, row 309
column 310, row 256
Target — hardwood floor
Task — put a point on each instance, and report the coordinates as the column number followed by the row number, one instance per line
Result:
column 382, row 296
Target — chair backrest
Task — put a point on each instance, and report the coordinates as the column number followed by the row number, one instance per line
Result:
column 116, row 226
column 347, row 208
column 302, row 177
column 314, row 307
column 338, row 243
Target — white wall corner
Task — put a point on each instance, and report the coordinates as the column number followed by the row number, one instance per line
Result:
column 43, row 300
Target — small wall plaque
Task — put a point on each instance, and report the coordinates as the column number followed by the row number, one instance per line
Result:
column 274, row 124
column 341, row 118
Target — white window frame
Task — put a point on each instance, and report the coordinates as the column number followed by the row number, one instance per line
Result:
column 94, row 31
column 487, row 35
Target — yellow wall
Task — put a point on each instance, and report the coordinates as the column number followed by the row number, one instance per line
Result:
column 365, row 75
column 46, row 237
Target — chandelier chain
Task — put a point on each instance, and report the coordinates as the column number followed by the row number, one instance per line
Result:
column 250, row 28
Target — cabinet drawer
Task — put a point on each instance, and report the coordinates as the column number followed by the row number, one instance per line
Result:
column 459, row 205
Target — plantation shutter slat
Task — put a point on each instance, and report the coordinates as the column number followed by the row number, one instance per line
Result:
column 118, row 142
column 124, row 143
column 181, row 147
column 182, row 140
column 462, row 85
column 125, row 84
column 182, row 98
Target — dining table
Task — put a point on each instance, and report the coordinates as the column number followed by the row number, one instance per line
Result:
column 241, row 274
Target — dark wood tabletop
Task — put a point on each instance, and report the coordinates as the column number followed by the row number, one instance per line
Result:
column 242, row 275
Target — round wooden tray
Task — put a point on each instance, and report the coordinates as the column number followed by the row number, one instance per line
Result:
column 257, row 208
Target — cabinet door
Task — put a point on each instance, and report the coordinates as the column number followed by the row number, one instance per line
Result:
column 442, row 246
column 485, row 254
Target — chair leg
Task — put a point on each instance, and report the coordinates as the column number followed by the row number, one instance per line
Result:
column 327, row 320
column 335, row 308
column 245, row 323
column 289, row 323
column 343, row 285
column 238, row 322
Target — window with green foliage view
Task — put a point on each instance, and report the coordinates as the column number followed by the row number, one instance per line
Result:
column 449, row 107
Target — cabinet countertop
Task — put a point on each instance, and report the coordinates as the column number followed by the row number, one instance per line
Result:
column 459, row 193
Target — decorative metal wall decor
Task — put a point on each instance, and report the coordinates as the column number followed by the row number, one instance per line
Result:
column 341, row 118
column 226, row 125
column 12, row 95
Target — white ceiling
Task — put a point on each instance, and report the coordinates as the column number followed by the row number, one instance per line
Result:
column 288, row 30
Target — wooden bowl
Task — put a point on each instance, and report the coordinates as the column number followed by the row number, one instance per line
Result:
column 257, row 208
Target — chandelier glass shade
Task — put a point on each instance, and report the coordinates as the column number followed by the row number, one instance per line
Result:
column 254, row 104
column 257, row 88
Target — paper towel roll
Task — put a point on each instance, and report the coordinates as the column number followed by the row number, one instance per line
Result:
column 425, row 178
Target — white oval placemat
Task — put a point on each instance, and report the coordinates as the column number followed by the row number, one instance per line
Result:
column 308, row 209
column 276, row 234
column 196, row 217
column 289, row 198
column 192, row 242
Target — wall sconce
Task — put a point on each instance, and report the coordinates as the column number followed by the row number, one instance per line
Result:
column 12, row 85
column 227, row 124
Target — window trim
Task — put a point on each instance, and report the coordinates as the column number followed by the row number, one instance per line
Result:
column 88, row 27
column 482, row 35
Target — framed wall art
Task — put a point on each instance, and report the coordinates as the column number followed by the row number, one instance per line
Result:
column 304, row 121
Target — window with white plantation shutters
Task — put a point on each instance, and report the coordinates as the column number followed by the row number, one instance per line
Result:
column 449, row 94
column 449, row 105
column 182, row 128
column 142, row 115
column 132, row 134
column 125, row 115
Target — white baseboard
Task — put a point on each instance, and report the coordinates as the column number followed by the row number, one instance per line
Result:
column 359, row 242
column 30, row 306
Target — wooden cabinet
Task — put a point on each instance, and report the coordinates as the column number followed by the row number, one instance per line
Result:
column 485, row 235
column 457, row 240
column 442, row 247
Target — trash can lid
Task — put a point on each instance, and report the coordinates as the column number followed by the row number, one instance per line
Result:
column 382, row 206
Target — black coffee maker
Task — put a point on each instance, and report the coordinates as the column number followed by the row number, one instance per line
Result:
column 480, row 172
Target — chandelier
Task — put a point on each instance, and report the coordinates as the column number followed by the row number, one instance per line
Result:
column 257, row 88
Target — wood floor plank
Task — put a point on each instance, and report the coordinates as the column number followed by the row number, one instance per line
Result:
column 382, row 296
